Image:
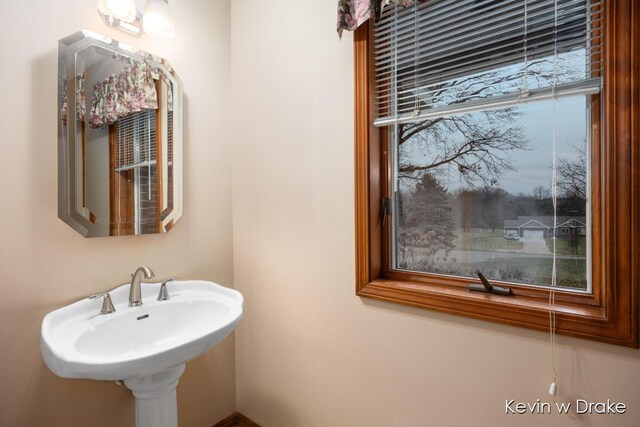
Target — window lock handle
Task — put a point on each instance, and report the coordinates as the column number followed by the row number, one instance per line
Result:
column 385, row 210
column 486, row 286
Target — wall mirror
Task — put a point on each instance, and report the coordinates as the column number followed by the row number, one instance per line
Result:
column 119, row 138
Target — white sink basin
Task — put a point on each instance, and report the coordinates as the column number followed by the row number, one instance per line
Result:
column 77, row 342
column 146, row 346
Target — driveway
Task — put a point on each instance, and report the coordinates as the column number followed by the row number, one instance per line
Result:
column 533, row 245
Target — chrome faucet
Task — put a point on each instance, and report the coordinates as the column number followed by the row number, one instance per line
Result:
column 135, row 296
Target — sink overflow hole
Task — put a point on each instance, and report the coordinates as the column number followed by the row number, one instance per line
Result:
column 144, row 316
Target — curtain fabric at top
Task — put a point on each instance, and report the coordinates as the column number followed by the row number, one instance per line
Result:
column 129, row 91
column 353, row 13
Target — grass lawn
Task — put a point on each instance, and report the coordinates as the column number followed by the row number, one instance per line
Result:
column 483, row 239
column 571, row 272
column 564, row 248
column 485, row 247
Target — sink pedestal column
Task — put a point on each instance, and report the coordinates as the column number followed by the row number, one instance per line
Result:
column 156, row 404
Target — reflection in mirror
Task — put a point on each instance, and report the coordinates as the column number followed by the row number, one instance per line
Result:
column 120, row 138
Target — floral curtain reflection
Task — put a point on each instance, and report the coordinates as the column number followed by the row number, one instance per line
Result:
column 131, row 90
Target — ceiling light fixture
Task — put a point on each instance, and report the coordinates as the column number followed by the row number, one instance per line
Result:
column 157, row 20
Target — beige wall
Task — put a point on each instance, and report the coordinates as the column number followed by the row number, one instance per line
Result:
column 309, row 352
column 44, row 264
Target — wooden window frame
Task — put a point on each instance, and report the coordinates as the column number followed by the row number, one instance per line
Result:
column 610, row 314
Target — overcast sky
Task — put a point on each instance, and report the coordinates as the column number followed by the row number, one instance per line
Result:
column 533, row 167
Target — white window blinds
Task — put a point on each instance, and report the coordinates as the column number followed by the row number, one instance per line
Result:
column 136, row 140
column 453, row 56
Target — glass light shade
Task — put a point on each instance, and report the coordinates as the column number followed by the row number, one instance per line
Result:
column 124, row 10
column 157, row 21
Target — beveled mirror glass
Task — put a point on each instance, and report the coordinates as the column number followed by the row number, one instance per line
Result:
column 119, row 138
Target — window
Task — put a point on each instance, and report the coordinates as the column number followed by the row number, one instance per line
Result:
column 455, row 104
column 140, row 192
column 450, row 210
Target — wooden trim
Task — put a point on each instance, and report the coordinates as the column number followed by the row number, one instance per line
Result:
column 363, row 127
column 236, row 420
column 113, row 180
column 121, row 189
column 159, row 155
column 611, row 313
column 83, row 143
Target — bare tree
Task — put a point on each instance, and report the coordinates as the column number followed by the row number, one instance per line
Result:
column 476, row 146
column 542, row 199
column 572, row 174
column 541, row 193
column 466, row 210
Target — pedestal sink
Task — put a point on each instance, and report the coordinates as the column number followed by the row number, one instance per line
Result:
column 146, row 346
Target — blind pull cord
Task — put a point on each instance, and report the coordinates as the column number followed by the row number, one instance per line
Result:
column 553, row 388
column 416, row 37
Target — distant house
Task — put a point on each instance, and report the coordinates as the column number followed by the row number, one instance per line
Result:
column 541, row 227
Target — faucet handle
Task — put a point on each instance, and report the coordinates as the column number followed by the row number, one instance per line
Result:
column 163, row 295
column 107, row 304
